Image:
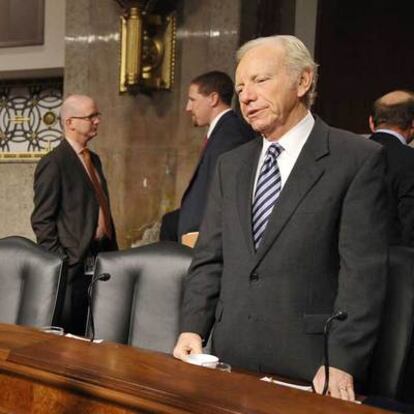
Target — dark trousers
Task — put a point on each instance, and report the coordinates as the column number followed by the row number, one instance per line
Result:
column 169, row 226
column 75, row 307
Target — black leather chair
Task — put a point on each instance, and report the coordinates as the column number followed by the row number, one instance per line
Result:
column 140, row 303
column 31, row 283
column 392, row 373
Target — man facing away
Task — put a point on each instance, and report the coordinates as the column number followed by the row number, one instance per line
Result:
column 392, row 124
column 209, row 100
column 71, row 213
column 294, row 232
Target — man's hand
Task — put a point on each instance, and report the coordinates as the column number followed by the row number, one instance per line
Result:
column 341, row 384
column 187, row 343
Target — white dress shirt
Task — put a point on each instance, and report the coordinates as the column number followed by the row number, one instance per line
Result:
column 292, row 143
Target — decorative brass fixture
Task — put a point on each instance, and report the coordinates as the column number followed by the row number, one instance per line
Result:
column 147, row 46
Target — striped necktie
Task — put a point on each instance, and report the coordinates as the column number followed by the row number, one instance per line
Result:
column 267, row 192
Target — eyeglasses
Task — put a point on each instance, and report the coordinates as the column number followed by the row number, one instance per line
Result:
column 90, row 118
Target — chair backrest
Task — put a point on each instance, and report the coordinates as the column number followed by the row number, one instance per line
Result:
column 31, row 283
column 393, row 360
column 140, row 303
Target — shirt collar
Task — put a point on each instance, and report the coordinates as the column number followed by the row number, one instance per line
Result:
column 294, row 139
column 394, row 133
column 215, row 120
column 78, row 148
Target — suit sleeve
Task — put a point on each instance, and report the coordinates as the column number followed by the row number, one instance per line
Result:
column 47, row 197
column 405, row 197
column 202, row 285
column 363, row 267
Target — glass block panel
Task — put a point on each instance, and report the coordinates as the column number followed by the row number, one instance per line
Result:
column 29, row 118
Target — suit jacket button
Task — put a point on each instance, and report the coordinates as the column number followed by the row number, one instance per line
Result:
column 254, row 276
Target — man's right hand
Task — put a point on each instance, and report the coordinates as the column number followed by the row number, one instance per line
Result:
column 188, row 343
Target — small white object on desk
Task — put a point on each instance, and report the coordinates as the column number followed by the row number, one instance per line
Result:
column 55, row 330
column 200, row 359
column 307, row 388
column 82, row 338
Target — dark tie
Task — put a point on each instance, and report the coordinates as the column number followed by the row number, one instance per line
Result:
column 267, row 192
column 100, row 195
column 205, row 142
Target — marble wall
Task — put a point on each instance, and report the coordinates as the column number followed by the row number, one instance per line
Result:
column 147, row 143
column 16, row 199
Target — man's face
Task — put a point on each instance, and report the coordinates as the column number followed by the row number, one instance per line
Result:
column 86, row 120
column 268, row 94
column 199, row 106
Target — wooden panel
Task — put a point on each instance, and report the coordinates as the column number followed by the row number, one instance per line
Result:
column 20, row 395
column 62, row 375
column 364, row 49
column 21, row 22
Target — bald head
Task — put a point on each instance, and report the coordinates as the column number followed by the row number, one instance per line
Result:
column 80, row 118
column 73, row 105
column 394, row 111
column 395, row 98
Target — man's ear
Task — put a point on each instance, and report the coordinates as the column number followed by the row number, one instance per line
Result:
column 371, row 123
column 68, row 124
column 214, row 99
column 305, row 82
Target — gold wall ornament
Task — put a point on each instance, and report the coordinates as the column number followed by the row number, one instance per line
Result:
column 49, row 118
column 147, row 50
column 18, row 119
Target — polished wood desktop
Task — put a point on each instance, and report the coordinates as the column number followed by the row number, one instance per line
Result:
column 45, row 373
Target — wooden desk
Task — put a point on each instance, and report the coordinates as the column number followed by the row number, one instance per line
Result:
column 43, row 373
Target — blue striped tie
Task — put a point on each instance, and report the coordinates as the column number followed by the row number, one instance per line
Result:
column 267, row 192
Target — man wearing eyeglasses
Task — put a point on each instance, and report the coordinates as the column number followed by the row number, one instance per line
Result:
column 72, row 213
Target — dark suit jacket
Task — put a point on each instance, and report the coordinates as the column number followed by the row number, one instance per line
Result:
column 400, row 184
column 66, row 210
column 229, row 133
column 324, row 250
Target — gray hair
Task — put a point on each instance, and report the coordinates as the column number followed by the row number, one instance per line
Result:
column 297, row 58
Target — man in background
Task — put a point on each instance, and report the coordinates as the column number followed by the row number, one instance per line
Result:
column 392, row 124
column 209, row 103
column 71, row 213
column 294, row 234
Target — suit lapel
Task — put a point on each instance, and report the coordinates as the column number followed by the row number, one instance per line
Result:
column 305, row 174
column 245, row 182
column 205, row 151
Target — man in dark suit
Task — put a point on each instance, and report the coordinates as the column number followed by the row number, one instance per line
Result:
column 209, row 100
column 71, row 213
column 294, row 232
column 392, row 124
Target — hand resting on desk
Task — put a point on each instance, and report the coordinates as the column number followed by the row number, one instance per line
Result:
column 187, row 343
column 341, row 384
